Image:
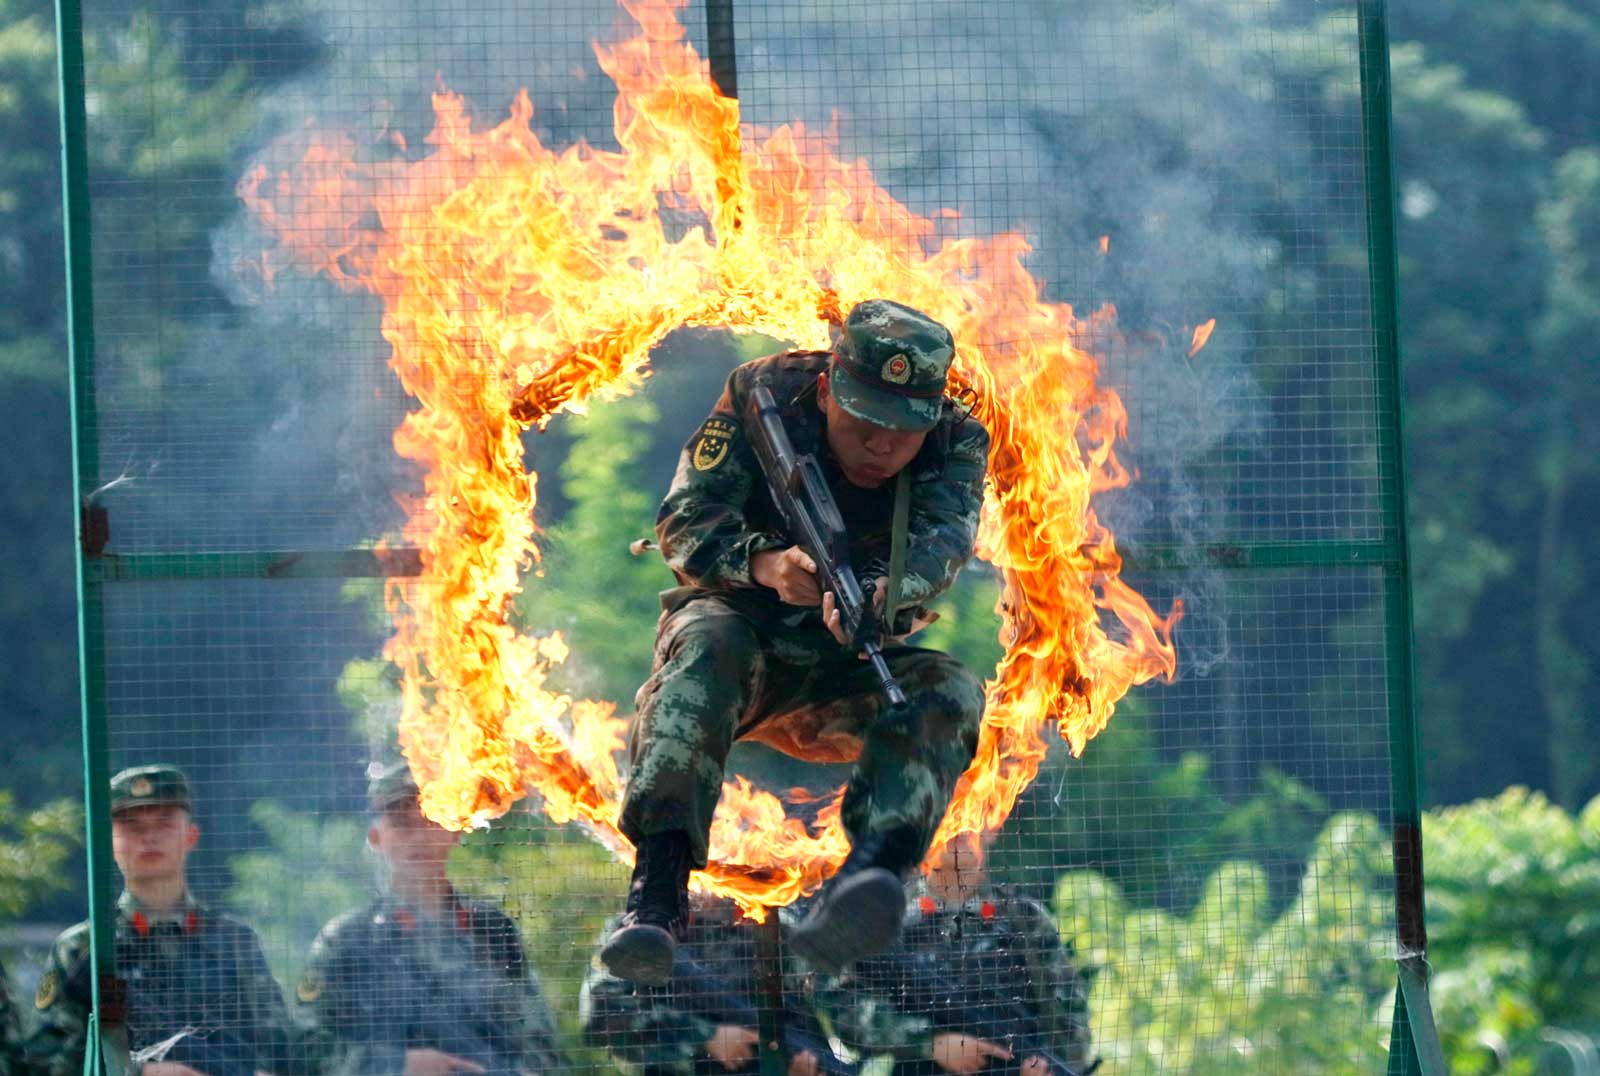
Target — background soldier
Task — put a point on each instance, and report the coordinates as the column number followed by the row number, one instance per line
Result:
column 980, row 983
column 200, row 998
column 743, row 648
column 706, row 1019
column 13, row 1062
column 424, row 981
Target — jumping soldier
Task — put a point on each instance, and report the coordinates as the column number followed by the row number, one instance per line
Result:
column 748, row 647
column 424, row 981
column 199, row 997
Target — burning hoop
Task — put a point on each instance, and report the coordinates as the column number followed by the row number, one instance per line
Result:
column 518, row 281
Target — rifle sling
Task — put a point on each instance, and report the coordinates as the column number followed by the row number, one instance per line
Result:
column 897, row 548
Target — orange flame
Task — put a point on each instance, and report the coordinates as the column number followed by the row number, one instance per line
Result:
column 1202, row 334
column 518, row 281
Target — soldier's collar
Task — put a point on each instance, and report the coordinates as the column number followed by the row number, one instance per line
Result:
column 392, row 910
column 981, row 903
column 188, row 914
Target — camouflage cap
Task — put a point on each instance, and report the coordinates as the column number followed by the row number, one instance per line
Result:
column 149, row 786
column 390, row 785
column 890, row 365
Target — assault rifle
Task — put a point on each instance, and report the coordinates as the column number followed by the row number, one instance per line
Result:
column 816, row 526
column 920, row 986
column 714, row 998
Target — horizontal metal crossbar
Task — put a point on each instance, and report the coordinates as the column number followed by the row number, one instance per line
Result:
column 406, row 561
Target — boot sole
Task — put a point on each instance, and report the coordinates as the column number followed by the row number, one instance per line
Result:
column 860, row 918
column 640, row 954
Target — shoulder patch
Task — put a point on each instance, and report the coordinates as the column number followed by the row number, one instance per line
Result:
column 49, row 990
column 711, row 444
column 310, row 986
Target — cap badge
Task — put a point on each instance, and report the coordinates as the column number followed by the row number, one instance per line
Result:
column 140, row 786
column 897, row 370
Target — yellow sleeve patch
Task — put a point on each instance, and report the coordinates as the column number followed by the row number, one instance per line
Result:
column 710, row 449
column 49, row 990
column 310, row 987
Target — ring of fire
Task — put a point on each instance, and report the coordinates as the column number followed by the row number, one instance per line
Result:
column 518, row 281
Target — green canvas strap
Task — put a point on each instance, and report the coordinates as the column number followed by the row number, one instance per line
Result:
column 897, row 547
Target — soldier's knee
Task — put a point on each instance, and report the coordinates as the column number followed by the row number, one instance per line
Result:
column 714, row 656
column 724, row 642
column 950, row 692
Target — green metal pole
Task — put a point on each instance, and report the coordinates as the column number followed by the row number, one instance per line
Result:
column 1414, row 1044
column 107, row 1017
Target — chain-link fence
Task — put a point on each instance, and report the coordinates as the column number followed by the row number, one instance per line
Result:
column 396, row 320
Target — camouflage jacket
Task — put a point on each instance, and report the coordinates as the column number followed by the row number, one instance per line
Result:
column 199, row 992
column 664, row 1031
column 13, row 1061
column 383, row 980
column 718, row 511
column 994, row 967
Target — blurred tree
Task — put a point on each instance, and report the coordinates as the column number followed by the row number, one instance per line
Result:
column 1155, row 829
column 1568, row 473
column 37, row 611
column 1499, row 491
column 549, row 889
column 34, row 849
column 588, row 586
column 166, row 101
column 1513, row 889
column 1540, row 53
column 1231, row 984
column 308, row 870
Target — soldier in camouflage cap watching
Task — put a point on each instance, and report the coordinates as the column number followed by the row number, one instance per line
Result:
column 748, row 646
column 424, row 981
column 981, row 984
column 200, row 999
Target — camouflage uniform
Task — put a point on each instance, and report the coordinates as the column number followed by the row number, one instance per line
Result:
column 993, row 967
column 663, row 1031
column 197, row 987
column 13, row 1062
column 192, row 973
column 386, row 979
column 732, row 660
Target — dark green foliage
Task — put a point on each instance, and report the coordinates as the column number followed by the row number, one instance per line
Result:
column 1514, row 923
column 34, row 849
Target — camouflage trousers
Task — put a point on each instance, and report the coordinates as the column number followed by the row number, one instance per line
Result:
column 722, row 675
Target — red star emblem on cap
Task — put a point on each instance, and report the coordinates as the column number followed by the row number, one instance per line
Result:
column 897, row 371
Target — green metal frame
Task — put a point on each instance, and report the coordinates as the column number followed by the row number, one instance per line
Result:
column 1414, row 1045
column 86, row 472
column 1414, row 1042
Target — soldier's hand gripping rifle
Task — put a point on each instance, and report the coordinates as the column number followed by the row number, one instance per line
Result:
column 816, row 526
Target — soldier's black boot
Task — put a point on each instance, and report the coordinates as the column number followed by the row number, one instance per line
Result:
column 642, row 947
column 860, row 911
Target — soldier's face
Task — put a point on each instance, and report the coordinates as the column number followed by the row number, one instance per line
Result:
column 412, row 844
column 152, row 843
column 868, row 454
column 959, row 872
